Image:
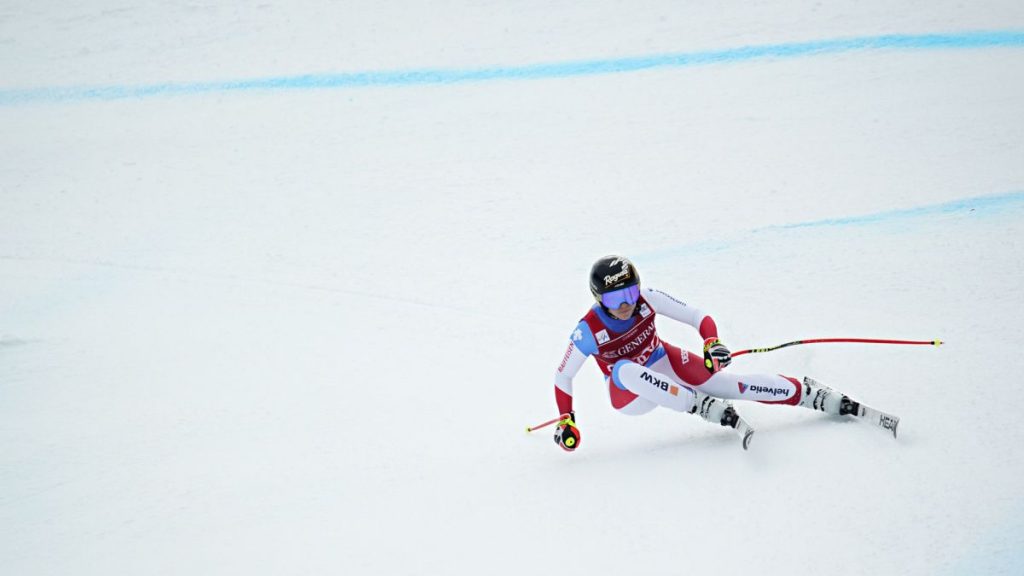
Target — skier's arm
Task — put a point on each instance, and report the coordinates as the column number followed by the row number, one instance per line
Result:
column 716, row 355
column 681, row 312
column 581, row 344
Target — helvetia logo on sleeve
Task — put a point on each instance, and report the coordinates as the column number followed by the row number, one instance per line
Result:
column 743, row 387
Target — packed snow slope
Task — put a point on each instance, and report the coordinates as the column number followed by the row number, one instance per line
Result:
column 282, row 284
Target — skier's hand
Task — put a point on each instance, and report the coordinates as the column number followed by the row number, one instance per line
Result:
column 716, row 355
column 567, row 435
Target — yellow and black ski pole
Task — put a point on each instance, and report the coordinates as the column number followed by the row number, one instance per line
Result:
column 856, row 340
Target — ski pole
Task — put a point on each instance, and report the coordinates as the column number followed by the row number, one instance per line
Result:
column 548, row 423
column 858, row 340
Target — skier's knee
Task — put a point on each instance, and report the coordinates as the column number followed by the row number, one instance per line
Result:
column 616, row 374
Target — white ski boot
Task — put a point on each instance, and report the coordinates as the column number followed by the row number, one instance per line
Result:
column 817, row 396
column 719, row 411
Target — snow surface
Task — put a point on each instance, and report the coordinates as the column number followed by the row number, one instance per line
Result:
column 302, row 331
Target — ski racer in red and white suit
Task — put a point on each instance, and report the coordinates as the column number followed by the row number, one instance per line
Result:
column 642, row 371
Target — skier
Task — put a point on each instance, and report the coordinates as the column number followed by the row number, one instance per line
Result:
column 643, row 371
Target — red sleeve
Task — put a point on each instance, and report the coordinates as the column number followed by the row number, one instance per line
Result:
column 563, row 400
column 708, row 328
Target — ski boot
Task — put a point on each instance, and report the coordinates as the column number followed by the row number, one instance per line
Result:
column 719, row 411
column 817, row 396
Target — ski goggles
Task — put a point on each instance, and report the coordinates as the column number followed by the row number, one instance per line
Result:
column 616, row 298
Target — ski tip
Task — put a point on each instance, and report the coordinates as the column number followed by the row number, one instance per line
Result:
column 889, row 422
column 937, row 342
column 746, row 439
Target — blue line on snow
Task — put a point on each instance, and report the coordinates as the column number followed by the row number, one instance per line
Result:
column 996, row 203
column 957, row 40
column 979, row 204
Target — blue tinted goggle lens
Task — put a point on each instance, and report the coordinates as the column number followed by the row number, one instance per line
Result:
column 616, row 298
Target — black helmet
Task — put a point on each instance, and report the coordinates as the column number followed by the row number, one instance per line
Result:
column 612, row 273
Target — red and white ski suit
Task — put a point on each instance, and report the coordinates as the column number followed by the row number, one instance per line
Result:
column 643, row 372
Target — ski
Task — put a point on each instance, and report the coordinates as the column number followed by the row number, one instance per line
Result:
column 878, row 418
column 820, row 397
column 729, row 418
column 745, row 432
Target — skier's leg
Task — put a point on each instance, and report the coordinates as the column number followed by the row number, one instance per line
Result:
column 688, row 368
column 653, row 386
column 664, row 389
column 766, row 388
column 627, row 402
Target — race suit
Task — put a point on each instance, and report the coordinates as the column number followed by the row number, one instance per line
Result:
column 643, row 372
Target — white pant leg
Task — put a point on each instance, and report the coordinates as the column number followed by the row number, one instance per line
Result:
column 656, row 386
column 756, row 387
